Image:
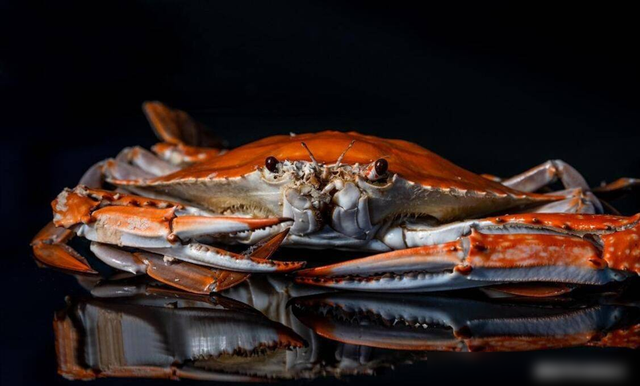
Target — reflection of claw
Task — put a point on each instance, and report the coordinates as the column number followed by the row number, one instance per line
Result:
column 137, row 327
column 419, row 322
column 162, row 334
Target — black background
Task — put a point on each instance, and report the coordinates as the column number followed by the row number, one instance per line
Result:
column 493, row 88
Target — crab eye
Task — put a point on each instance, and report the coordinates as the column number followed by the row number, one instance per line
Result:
column 271, row 163
column 377, row 170
column 381, row 166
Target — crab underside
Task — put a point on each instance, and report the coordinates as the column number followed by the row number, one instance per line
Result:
column 202, row 219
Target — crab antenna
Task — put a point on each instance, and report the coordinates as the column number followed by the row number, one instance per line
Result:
column 315, row 163
column 343, row 153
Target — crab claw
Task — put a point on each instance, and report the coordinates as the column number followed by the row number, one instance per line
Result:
column 191, row 226
column 497, row 257
column 190, row 277
column 414, row 269
column 167, row 228
column 61, row 256
column 255, row 260
column 49, row 248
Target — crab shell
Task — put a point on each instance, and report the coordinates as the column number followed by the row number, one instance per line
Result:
column 317, row 190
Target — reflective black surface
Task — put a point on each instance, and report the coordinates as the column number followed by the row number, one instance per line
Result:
column 493, row 89
column 269, row 329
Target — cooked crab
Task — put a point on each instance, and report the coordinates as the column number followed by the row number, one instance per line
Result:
column 435, row 225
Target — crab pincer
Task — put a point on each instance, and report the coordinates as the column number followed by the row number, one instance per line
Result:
column 159, row 227
column 540, row 248
column 117, row 222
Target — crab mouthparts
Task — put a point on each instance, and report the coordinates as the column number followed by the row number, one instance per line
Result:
column 305, row 210
column 340, row 205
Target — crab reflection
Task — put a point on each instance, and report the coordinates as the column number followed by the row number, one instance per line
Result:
column 433, row 323
column 269, row 328
column 138, row 328
column 148, row 333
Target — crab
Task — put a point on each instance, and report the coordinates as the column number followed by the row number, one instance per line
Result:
column 181, row 213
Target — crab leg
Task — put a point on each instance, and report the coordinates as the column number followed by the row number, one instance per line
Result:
column 154, row 225
column 115, row 169
column 146, row 161
column 52, row 251
column 181, row 274
column 137, row 163
column 547, row 173
column 568, row 205
column 118, row 258
column 577, row 201
column 618, row 188
column 186, row 276
column 185, row 140
column 50, row 248
column 559, row 248
column 214, row 257
column 49, row 245
column 190, row 277
column 183, row 155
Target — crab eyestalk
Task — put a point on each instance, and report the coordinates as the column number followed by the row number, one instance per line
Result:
column 376, row 170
